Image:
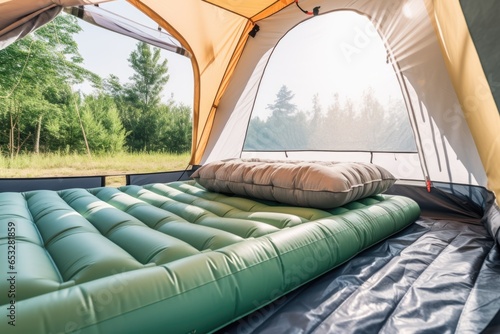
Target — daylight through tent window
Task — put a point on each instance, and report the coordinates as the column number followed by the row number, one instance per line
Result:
column 330, row 77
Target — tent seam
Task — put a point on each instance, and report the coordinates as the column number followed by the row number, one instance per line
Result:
column 367, row 279
column 473, row 288
column 417, row 278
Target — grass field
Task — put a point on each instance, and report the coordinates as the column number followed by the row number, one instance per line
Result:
column 114, row 167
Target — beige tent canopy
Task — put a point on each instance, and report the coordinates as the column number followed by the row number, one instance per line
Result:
column 441, row 51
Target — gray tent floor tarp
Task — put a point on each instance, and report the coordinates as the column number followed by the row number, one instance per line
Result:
column 440, row 275
column 433, row 277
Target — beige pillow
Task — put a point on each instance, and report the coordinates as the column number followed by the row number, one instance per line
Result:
column 315, row 184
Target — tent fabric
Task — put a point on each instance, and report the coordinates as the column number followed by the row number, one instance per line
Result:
column 102, row 19
column 18, row 30
column 465, row 203
column 20, row 17
column 50, row 183
column 471, row 85
column 483, row 29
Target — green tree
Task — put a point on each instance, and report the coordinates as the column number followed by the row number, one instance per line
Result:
column 340, row 128
column 150, row 124
column 316, row 123
column 54, row 100
column 102, row 124
column 113, row 87
column 150, row 77
column 259, row 136
column 140, row 100
column 35, row 77
column 128, row 112
column 285, row 129
column 288, row 125
column 178, row 134
column 283, row 106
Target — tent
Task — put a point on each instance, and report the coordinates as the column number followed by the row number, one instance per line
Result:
column 443, row 53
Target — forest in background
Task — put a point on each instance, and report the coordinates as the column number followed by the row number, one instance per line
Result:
column 40, row 112
column 367, row 124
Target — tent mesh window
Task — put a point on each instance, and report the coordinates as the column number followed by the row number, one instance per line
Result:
column 330, row 84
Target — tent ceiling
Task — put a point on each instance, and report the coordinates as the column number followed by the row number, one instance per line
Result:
column 252, row 9
column 14, row 11
column 20, row 17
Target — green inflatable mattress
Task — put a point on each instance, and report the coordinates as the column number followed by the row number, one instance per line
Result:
column 169, row 258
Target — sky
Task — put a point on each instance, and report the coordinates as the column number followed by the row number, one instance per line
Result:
column 105, row 52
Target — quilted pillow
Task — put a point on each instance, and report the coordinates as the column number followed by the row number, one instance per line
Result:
column 322, row 185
